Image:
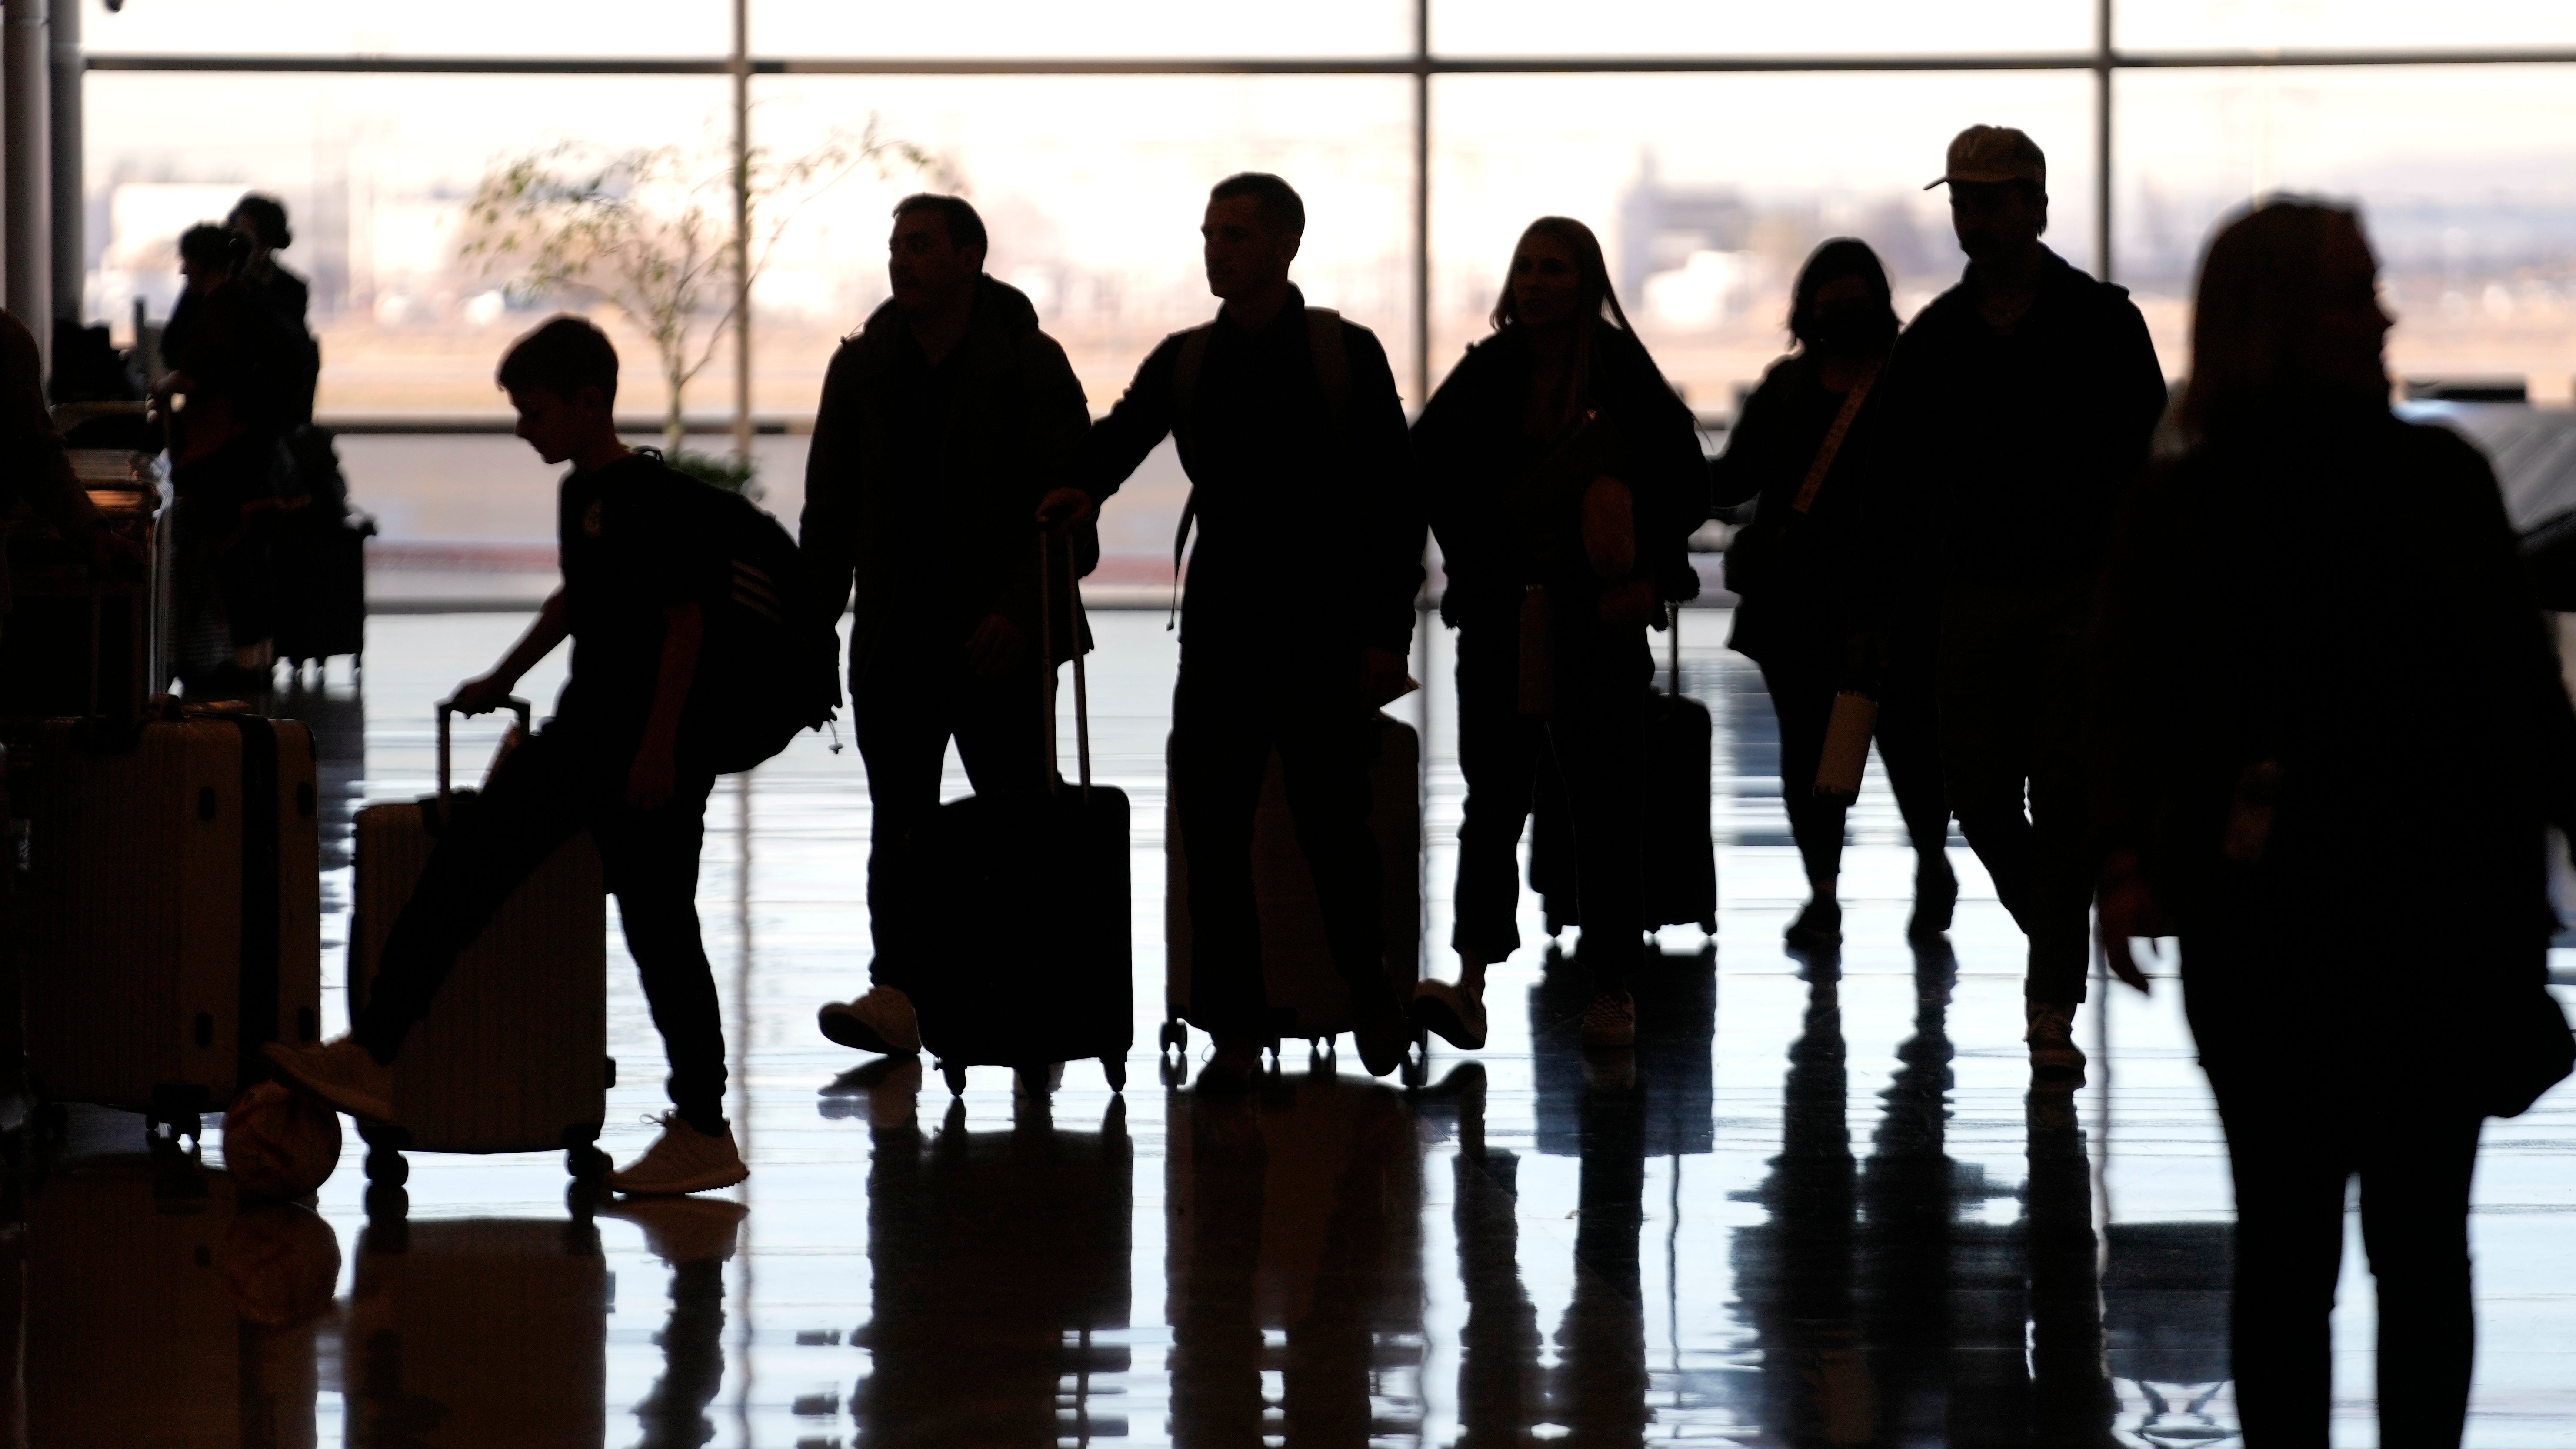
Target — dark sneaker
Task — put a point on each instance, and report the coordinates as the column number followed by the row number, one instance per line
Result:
column 881, row 1021
column 1378, row 1027
column 2055, row 1060
column 1452, row 1013
column 1936, row 899
column 1819, row 928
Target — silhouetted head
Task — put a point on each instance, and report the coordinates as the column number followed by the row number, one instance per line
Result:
column 2288, row 311
column 935, row 253
column 1558, row 274
column 261, row 220
column 1842, row 303
column 562, row 380
column 208, row 256
column 1998, row 180
column 1254, row 224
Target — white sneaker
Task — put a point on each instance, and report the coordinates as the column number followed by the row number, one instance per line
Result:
column 881, row 1021
column 682, row 1160
column 1454, row 1013
column 339, row 1071
column 1610, row 1021
column 2054, row 1058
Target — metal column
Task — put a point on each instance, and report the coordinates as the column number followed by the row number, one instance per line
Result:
column 741, row 65
column 71, row 210
column 2103, row 64
column 29, row 241
column 1421, row 203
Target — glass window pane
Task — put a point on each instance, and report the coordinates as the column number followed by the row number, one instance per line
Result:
column 407, row 27
column 1052, row 28
column 1708, row 191
column 375, row 172
column 1739, row 27
column 2335, row 24
column 2460, row 172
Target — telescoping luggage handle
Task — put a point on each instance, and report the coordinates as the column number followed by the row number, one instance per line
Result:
column 1046, row 668
column 447, row 715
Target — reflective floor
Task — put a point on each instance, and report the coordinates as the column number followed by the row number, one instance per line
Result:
column 1825, row 1210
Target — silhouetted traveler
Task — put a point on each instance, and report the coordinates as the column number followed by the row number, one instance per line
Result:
column 223, row 455
column 1299, row 611
column 622, row 758
column 2358, row 874
column 260, row 221
column 1803, row 444
column 34, row 468
column 2021, row 402
column 1563, row 477
column 942, row 424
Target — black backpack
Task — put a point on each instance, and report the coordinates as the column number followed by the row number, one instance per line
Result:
column 769, row 668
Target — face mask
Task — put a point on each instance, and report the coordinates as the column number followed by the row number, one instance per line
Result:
column 1850, row 327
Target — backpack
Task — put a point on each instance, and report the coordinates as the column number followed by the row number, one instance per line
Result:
column 769, row 668
column 1332, row 361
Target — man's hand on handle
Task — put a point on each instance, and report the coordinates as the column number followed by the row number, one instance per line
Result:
column 482, row 696
column 1065, row 509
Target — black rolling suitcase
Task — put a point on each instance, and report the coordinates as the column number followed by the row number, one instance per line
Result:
column 1681, row 853
column 322, row 587
column 1035, row 951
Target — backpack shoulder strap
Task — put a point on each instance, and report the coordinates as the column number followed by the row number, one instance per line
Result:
column 1185, row 372
column 1332, row 364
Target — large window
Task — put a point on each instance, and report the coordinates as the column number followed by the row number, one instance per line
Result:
column 1710, row 146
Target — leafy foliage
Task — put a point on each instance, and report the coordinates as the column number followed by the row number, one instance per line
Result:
column 649, row 231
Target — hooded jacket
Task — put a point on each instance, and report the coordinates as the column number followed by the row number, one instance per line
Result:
column 931, row 556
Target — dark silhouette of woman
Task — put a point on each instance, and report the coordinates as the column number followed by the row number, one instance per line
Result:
column 1563, row 477
column 1801, row 445
column 2343, row 818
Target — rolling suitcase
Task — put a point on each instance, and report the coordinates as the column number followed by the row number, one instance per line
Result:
column 481, row 1331
column 173, row 909
column 513, row 1056
column 1680, row 879
column 1306, row 995
column 1040, row 968
column 322, row 587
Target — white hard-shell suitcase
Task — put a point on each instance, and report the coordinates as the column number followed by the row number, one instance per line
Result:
column 172, row 908
column 1306, row 995
column 513, row 1056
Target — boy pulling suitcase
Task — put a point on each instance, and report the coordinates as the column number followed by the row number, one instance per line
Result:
column 615, row 760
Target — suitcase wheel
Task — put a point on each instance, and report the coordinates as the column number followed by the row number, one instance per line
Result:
column 586, row 1164
column 956, row 1077
column 1115, row 1069
column 386, row 1167
column 1319, row 1050
column 1175, row 1037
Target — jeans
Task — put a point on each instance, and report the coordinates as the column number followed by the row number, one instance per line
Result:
column 1228, row 713
column 2012, row 698
column 906, row 711
column 1802, row 689
column 558, row 782
column 1596, row 738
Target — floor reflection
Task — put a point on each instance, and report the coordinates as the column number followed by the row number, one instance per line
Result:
column 1815, row 1205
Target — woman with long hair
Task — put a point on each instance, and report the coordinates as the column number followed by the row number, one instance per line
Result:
column 2357, row 872
column 1563, row 478
column 1802, row 571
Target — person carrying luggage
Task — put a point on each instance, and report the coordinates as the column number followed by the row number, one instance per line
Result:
column 260, row 222
column 2020, row 403
column 2358, row 874
column 1802, row 445
column 624, row 757
column 1298, row 616
column 1563, row 479
column 943, row 422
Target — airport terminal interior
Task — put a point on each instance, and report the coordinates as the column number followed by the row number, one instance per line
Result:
column 1824, row 1198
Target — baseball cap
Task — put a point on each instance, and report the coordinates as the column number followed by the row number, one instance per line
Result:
column 1993, row 153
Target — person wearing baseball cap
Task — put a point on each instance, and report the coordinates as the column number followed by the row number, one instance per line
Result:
column 2020, row 404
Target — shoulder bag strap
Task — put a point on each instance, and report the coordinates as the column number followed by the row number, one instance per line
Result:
column 1185, row 395
column 1833, row 443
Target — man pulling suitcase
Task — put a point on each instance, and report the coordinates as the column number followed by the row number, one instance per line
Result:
column 1299, row 614
column 620, row 759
